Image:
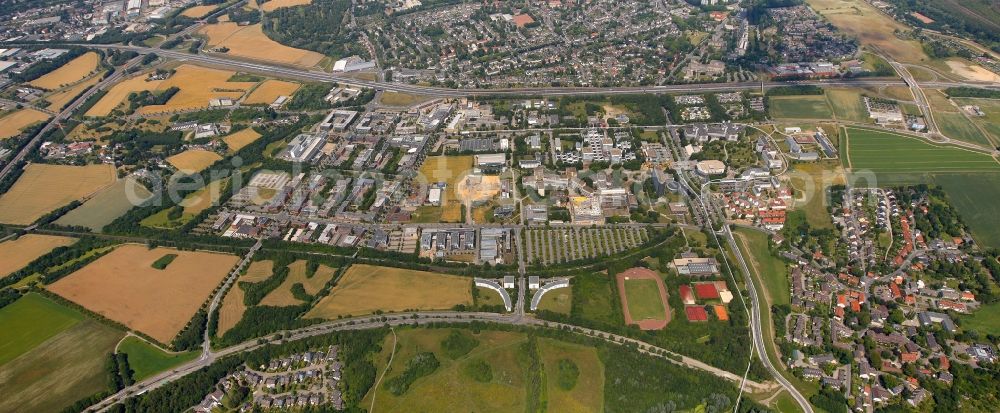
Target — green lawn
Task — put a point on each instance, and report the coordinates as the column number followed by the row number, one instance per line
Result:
column 812, row 180
column 449, row 388
column 886, row 153
column 772, row 270
column 30, row 321
column 558, row 301
column 427, row 214
column 984, row 320
column 644, row 300
column 800, row 107
column 147, row 360
column 587, row 395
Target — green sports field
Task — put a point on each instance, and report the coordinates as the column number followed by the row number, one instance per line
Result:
column 799, row 107
column 644, row 300
column 30, row 321
column 883, row 152
column 147, row 360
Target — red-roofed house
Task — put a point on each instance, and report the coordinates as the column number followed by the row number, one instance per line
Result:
column 695, row 313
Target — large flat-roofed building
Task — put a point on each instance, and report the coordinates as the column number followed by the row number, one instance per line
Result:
column 710, row 167
column 491, row 162
column 338, row 120
column 303, row 148
column 696, row 266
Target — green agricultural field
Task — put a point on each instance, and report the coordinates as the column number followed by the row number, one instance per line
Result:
column 147, row 360
column 977, row 199
column 30, row 321
column 957, row 126
column 847, row 104
column 888, row 153
column 770, row 269
column 106, row 206
column 504, row 392
column 593, row 299
column 60, row 371
column 990, row 122
column 800, row 107
column 644, row 300
column 586, row 395
column 984, row 320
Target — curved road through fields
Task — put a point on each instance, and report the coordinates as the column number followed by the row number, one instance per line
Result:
column 400, row 319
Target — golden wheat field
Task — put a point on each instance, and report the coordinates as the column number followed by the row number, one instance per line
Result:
column 233, row 307
column 124, row 286
column 240, row 139
column 13, row 123
column 269, row 91
column 43, row 188
column 277, row 4
column 250, row 42
column 282, row 296
column 15, row 254
column 193, row 161
column 63, row 97
column 364, row 289
column 73, row 71
column 197, row 86
column 198, row 12
column 117, row 94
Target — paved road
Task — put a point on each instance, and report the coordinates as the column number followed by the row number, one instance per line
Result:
column 278, row 69
column 206, row 344
column 392, row 320
column 756, row 327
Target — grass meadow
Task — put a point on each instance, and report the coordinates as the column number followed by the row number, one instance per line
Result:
column 147, row 360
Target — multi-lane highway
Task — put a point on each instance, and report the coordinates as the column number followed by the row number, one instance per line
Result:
column 276, row 69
